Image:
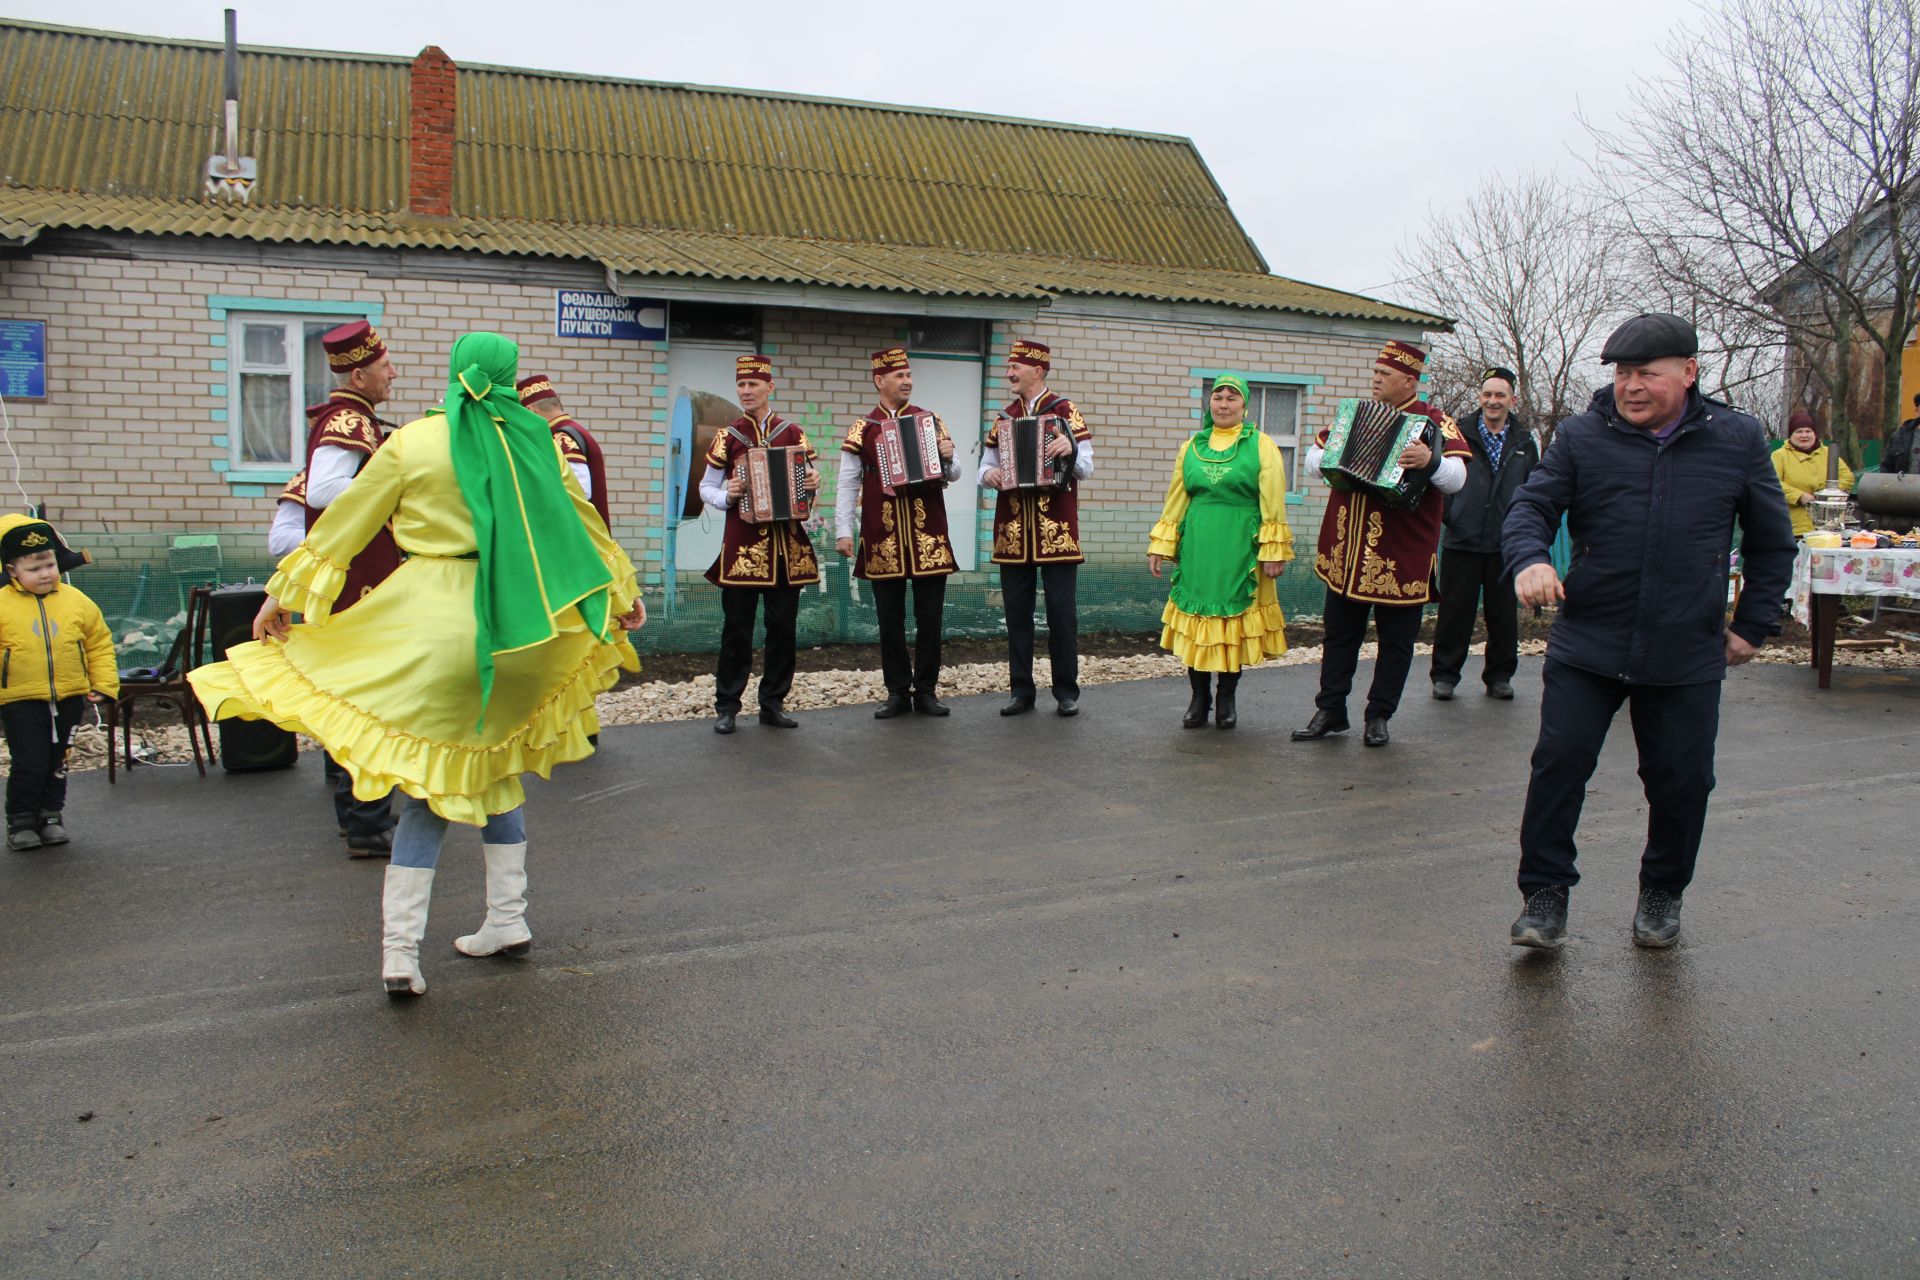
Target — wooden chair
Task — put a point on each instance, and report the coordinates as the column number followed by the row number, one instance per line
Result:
column 168, row 682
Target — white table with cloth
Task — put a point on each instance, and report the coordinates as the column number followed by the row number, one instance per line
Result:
column 1822, row 575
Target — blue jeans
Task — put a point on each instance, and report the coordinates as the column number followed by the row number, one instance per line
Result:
column 416, row 841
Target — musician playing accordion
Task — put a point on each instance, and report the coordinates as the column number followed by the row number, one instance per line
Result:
column 759, row 563
column 1036, row 530
column 902, row 521
column 1377, row 555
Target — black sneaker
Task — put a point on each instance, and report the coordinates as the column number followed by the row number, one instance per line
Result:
column 1657, row 922
column 1543, row 921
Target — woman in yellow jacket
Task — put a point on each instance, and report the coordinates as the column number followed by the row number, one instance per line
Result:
column 56, row 655
column 1801, row 464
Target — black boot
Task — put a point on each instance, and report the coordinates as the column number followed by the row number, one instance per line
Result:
column 1224, row 714
column 1202, row 700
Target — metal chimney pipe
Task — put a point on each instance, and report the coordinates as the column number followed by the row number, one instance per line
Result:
column 233, row 93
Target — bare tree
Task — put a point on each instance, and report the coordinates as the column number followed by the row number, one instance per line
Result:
column 1768, row 178
column 1530, row 275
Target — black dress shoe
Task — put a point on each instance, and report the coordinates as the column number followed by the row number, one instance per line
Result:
column 1324, row 722
column 777, row 718
column 1543, row 921
column 1066, row 706
column 725, row 722
column 1657, row 922
column 928, row 705
column 377, row 845
column 1376, row 734
column 1443, row 690
column 1017, row 707
column 896, row 704
column 1500, row 689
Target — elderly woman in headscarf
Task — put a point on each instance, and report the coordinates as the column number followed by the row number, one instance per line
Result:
column 477, row 661
column 1224, row 531
column 1801, row 464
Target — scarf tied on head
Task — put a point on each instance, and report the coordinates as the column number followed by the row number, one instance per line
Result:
column 1239, row 384
column 536, row 559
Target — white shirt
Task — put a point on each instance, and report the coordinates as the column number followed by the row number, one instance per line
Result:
column 330, row 472
column 289, row 527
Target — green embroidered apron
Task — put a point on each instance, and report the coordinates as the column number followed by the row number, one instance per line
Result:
column 1218, row 567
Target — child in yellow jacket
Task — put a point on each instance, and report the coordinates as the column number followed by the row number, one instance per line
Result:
column 56, row 655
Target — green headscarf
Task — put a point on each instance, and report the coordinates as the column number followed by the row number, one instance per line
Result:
column 1239, row 384
column 536, row 559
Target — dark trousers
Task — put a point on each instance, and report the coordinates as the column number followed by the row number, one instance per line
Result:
column 922, row 674
column 1673, row 725
column 1466, row 579
column 358, row 818
column 1017, row 582
column 738, row 606
column 1396, row 626
column 37, row 737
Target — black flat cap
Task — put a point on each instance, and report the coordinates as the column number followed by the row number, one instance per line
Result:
column 1650, row 335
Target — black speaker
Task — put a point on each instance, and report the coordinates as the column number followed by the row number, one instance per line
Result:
column 246, row 746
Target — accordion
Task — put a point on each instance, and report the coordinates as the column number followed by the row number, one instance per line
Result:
column 909, row 451
column 1363, row 452
column 776, row 477
column 1023, row 453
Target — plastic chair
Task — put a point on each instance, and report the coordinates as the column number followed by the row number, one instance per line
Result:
column 167, row 681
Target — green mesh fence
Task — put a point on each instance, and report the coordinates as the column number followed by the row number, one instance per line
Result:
column 140, row 582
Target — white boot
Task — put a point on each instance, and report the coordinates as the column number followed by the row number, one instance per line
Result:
column 404, row 906
column 505, row 930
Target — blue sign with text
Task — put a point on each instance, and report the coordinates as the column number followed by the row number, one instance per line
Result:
column 583, row 313
column 23, row 359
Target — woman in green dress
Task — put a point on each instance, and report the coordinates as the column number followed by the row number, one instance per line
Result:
column 1224, row 533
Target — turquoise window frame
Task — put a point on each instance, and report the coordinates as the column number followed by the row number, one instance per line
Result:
column 221, row 309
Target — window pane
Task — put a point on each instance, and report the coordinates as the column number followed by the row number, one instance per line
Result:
column 266, row 419
column 318, row 380
column 264, row 344
column 713, row 322
column 962, row 337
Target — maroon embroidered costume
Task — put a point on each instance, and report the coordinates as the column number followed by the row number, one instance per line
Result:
column 1380, row 554
column 577, row 444
column 760, row 555
column 903, row 536
column 1038, row 526
column 345, row 421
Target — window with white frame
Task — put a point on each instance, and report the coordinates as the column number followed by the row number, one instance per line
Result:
column 276, row 367
column 1275, row 406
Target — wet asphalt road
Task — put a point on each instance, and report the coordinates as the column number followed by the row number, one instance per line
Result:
column 986, row 997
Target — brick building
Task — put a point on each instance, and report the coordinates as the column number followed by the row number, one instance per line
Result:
column 179, row 330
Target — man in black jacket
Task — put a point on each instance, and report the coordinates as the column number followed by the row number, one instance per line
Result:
column 1897, row 457
column 1652, row 478
column 1471, row 567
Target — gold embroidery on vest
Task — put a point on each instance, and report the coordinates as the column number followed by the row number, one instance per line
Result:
column 752, row 561
column 1328, row 562
column 931, row 548
column 1378, row 575
column 884, row 558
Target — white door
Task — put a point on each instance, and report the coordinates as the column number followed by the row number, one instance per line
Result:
column 704, row 370
column 951, row 386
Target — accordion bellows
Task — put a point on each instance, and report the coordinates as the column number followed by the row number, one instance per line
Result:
column 1227, row 644
column 1363, row 452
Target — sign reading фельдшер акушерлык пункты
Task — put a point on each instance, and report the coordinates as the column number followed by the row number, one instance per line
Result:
column 583, row 313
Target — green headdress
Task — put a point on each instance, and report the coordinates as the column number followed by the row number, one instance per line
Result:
column 536, row 559
column 1239, row 384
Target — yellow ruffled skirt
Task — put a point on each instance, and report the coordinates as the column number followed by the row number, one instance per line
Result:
column 1227, row 644
column 390, row 688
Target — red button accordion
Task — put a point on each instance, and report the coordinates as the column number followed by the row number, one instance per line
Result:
column 776, row 478
column 1023, row 453
column 908, row 448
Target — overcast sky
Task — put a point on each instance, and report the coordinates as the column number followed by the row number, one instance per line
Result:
column 1333, row 127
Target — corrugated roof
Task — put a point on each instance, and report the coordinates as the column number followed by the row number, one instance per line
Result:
column 108, row 132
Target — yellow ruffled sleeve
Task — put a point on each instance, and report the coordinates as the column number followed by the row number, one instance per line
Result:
column 1164, row 540
column 310, row 577
column 1276, row 539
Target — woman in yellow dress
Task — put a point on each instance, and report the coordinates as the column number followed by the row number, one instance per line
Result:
column 475, row 662
column 1224, row 528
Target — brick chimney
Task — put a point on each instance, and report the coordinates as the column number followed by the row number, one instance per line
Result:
column 430, row 155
